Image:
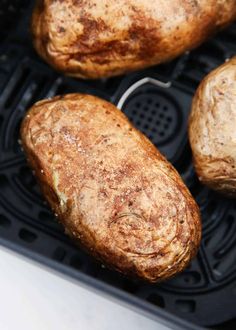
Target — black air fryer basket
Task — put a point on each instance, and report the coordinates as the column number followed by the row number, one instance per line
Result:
column 157, row 101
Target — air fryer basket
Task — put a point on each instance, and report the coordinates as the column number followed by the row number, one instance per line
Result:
column 157, row 101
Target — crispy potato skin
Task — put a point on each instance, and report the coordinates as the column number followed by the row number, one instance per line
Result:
column 212, row 129
column 94, row 39
column 113, row 191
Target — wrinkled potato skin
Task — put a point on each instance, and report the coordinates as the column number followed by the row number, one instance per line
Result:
column 95, row 39
column 113, row 191
column 212, row 129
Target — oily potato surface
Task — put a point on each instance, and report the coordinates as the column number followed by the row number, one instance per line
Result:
column 112, row 190
column 212, row 129
column 94, row 39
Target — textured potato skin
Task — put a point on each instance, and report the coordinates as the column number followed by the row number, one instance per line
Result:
column 94, row 39
column 212, row 129
column 112, row 190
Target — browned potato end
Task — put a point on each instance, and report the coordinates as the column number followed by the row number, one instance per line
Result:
column 212, row 129
column 95, row 39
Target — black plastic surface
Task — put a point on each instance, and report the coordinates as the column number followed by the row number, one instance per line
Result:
column 205, row 293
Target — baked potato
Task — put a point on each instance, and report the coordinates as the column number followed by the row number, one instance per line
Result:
column 95, row 39
column 115, row 194
column 212, row 129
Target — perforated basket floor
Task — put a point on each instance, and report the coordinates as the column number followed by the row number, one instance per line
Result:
column 205, row 293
